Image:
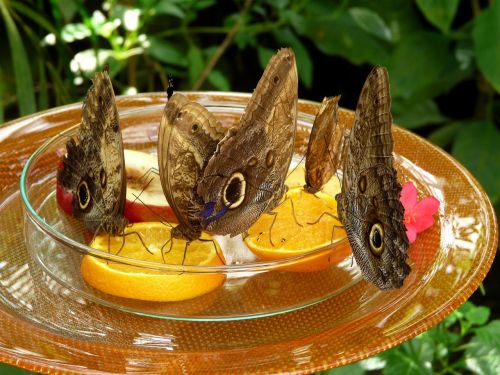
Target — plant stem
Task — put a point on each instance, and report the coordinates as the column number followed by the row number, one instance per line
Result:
column 132, row 72
column 221, row 49
column 476, row 7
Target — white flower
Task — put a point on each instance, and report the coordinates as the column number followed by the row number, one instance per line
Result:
column 131, row 90
column 131, row 19
column 49, row 40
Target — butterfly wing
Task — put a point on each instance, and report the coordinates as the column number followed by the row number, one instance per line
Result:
column 323, row 142
column 93, row 168
column 187, row 138
column 369, row 205
column 245, row 177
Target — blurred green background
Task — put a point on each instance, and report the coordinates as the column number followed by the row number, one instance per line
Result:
column 443, row 58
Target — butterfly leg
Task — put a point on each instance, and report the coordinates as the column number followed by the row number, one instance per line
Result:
column 275, row 214
column 162, row 219
column 140, row 239
column 321, row 216
column 146, row 180
column 293, row 209
column 293, row 214
column 215, row 248
column 171, row 241
column 148, row 173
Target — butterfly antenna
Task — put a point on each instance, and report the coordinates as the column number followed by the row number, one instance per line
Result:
column 162, row 219
column 170, row 88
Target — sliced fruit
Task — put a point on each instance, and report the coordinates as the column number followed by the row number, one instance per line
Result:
column 64, row 197
column 306, row 227
column 145, row 199
column 146, row 284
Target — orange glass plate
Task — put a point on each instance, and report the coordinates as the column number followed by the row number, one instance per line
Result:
column 48, row 328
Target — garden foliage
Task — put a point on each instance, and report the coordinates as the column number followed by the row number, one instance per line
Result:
column 443, row 58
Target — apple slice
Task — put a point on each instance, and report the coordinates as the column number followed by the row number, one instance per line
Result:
column 145, row 200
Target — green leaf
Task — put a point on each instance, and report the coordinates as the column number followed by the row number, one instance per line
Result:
column 476, row 147
column 166, row 52
column 371, row 22
column 11, row 370
column 170, row 8
column 352, row 369
column 68, row 8
column 219, row 80
column 486, row 34
column 304, row 63
column 444, row 340
column 400, row 16
column 476, row 315
column 244, row 40
column 22, row 72
column 444, row 135
column 440, row 13
column 482, row 355
column 411, row 114
column 203, row 4
column 424, row 55
column 35, row 16
column 411, row 358
column 195, row 63
column 343, row 37
column 264, row 55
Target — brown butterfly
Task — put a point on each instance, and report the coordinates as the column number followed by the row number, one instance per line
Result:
column 369, row 203
column 323, row 141
column 246, row 175
column 187, row 138
column 93, row 168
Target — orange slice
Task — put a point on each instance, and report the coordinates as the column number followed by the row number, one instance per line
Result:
column 146, row 284
column 293, row 234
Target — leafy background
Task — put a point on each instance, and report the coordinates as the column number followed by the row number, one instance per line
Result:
column 443, row 58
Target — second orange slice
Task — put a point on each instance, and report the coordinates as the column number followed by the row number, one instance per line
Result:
column 308, row 225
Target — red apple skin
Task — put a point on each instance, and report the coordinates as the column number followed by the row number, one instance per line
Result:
column 64, row 197
column 136, row 212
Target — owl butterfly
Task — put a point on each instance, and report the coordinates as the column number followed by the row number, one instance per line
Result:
column 245, row 177
column 369, row 204
column 187, row 138
column 324, row 140
column 93, row 168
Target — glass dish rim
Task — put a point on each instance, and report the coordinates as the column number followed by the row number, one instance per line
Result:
column 255, row 266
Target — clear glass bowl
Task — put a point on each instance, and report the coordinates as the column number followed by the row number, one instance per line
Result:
column 257, row 289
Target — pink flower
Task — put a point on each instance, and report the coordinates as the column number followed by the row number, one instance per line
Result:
column 418, row 215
